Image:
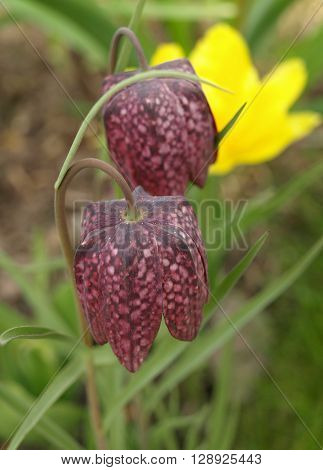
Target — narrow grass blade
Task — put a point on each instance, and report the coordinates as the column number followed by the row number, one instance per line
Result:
column 309, row 49
column 10, row 317
column 221, row 397
column 39, row 256
column 20, row 400
column 127, row 46
column 36, row 298
column 227, row 284
column 162, row 429
column 175, row 11
column 221, row 135
column 261, row 18
column 103, row 356
column 229, row 430
column 61, row 382
column 112, row 382
column 53, row 264
column 193, row 434
column 210, row 341
column 168, row 350
column 52, row 19
column 28, row 332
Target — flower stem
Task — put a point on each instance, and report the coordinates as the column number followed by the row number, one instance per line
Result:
column 133, row 25
column 94, row 405
column 115, row 47
column 61, row 223
column 113, row 91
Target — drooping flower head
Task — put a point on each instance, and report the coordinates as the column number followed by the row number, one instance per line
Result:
column 161, row 131
column 266, row 127
column 131, row 273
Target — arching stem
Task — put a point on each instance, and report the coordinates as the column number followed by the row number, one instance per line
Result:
column 115, row 43
column 62, row 228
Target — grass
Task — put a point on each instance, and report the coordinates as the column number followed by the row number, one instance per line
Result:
column 296, row 349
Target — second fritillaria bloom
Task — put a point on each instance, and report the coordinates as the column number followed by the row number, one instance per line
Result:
column 131, row 273
column 161, row 131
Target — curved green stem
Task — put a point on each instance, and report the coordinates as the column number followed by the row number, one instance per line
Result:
column 133, row 25
column 111, row 92
column 115, row 47
column 61, row 223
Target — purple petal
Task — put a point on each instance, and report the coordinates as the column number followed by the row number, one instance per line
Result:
column 128, row 277
column 98, row 215
column 184, row 288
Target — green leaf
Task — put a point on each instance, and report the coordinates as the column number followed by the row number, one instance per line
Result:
column 53, row 264
column 310, row 50
column 175, row 11
column 64, row 302
column 232, row 278
column 168, row 350
column 284, row 194
column 221, row 135
column 30, row 332
column 261, row 18
column 162, row 429
column 60, row 383
column 193, row 433
column 221, row 397
column 10, row 317
column 127, row 46
column 229, row 430
column 80, row 24
column 39, row 255
column 20, row 401
column 210, row 341
column 36, row 298
column 110, row 385
column 64, row 379
column 103, row 356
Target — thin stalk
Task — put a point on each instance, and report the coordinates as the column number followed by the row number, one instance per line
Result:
column 61, row 223
column 133, row 25
column 113, row 91
column 115, row 48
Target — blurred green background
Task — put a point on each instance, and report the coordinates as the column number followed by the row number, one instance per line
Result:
column 53, row 53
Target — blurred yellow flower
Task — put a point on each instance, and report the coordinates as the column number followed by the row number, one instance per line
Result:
column 266, row 126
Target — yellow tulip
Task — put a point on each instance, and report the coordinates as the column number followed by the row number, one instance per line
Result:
column 266, row 127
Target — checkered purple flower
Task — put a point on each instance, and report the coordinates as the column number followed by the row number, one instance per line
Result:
column 161, row 131
column 131, row 273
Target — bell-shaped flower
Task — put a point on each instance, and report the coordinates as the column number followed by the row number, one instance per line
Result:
column 160, row 132
column 130, row 273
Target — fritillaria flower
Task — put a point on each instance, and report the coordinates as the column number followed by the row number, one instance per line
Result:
column 130, row 273
column 160, row 132
column 267, row 126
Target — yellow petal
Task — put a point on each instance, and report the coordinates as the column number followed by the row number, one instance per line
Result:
column 264, row 129
column 302, row 123
column 222, row 55
column 287, row 129
column 166, row 52
column 286, row 83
